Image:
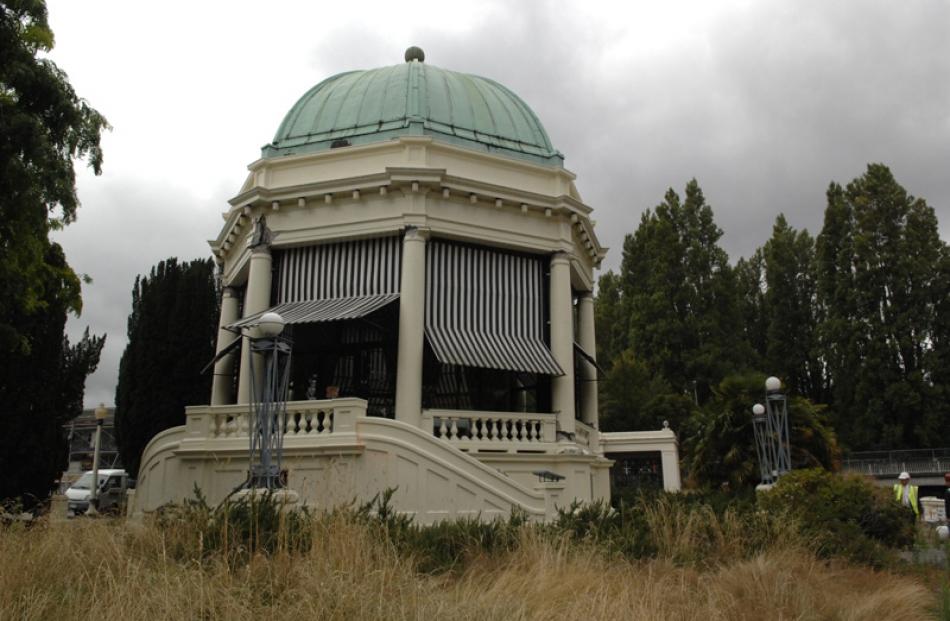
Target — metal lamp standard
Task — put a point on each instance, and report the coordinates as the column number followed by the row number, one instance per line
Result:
column 101, row 414
column 770, row 424
column 763, row 446
column 268, row 403
column 776, row 406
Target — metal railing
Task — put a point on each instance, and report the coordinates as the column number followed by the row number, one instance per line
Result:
column 892, row 463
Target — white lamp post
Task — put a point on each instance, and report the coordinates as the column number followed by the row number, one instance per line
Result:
column 101, row 414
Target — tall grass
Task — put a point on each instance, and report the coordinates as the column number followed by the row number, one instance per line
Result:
column 693, row 563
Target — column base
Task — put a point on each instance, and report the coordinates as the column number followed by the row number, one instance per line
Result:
column 567, row 446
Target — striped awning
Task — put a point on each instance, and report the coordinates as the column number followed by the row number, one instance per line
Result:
column 334, row 309
column 492, row 351
column 484, row 308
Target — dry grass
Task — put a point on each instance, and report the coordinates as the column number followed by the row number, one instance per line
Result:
column 111, row 570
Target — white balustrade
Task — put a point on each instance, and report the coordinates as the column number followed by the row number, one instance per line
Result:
column 304, row 419
column 493, row 430
column 583, row 433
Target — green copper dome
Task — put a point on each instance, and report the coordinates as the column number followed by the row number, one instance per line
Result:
column 413, row 99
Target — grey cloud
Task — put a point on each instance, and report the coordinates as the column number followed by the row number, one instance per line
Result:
column 124, row 228
column 764, row 106
column 779, row 100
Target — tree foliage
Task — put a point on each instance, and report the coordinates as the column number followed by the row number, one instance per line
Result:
column 41, row 387
column 610, row 318
column 634, row 398
column 882, row 280
column 680, row 292
column 44, row 126
column 720, row 443
column 856, row 323
column 778, row 302
column 171, row 331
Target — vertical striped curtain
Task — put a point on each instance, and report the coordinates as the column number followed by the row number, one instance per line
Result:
column 334, row 282
column 353, row 269
column 485, row 308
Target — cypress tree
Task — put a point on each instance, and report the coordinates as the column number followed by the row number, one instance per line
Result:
column 171, row 332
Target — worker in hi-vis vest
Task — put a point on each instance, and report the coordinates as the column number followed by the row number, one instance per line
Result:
column 905, row 493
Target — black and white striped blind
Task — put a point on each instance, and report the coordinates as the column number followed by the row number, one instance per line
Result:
column 362, row 268
column 484, row 308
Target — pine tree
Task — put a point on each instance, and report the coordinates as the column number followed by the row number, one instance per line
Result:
column 610, row 319
column 681, row 293
column 879, row 281
column 791, row 311
column 171, row 331
column 750, row 298
column 634, row 399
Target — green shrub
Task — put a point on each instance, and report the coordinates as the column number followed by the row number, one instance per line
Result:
column 622, row 530
column 845, row 515
column 236, row 529
column 446, row 545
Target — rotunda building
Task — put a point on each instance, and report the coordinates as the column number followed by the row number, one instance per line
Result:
column 433, row 259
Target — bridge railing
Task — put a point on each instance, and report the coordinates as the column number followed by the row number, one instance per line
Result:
column 914, row 461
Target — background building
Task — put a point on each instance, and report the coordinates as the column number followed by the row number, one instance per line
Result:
column 81, row 439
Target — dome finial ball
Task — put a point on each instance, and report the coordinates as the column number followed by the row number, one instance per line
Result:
column 415, row 53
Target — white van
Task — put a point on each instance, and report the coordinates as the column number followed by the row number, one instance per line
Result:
column 113, row 484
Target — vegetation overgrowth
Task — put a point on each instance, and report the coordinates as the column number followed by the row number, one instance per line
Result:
column 683, row 556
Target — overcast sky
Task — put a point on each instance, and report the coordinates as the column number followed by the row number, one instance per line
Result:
column 763, row 103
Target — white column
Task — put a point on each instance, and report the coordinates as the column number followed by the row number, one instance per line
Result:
column 562, row 342
column 587, row 341
column 256, row 300
column 222, row 384
column 411, row 328
column 670, row 461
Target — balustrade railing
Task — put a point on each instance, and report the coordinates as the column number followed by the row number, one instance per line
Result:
column 304, row 419
column 583, row 433
column 492, row 429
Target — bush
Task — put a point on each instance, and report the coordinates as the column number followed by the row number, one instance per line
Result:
column 845, row 515
column 623, row 531
column 236, row 530
column 443, row 546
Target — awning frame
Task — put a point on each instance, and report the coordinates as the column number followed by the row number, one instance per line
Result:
column 322, row 310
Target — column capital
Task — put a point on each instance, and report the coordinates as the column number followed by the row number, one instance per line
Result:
column 260, row 250
column 414, row 233
column 585, row 296
column 560, row 257
column 230, row 292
